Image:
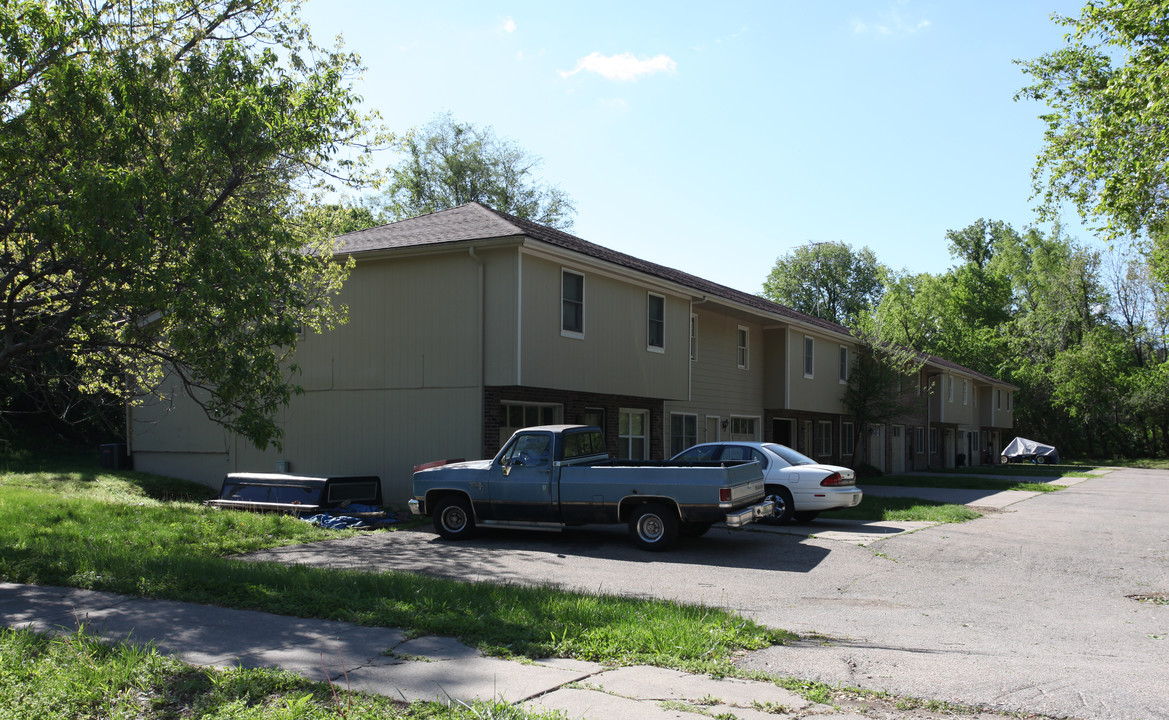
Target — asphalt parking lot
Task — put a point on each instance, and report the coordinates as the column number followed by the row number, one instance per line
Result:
column 1044, row 605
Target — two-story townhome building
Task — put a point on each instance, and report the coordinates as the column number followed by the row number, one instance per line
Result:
column 467, row 324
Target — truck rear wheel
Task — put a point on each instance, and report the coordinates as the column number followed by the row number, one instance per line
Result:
column 653, row 526
column 454, row 519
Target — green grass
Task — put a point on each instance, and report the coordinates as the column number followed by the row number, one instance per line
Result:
column 76, row 676
column 968, row 482
column 901, row 509
column 143, row 535
column 1142, row 463
column 1024, row 470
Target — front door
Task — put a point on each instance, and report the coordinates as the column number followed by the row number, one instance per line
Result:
column 520, row 484
column 781, row 432
column 898, row 448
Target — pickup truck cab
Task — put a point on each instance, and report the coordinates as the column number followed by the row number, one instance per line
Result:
column 553, row 476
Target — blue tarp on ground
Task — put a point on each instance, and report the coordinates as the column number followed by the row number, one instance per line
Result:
column 344, row 518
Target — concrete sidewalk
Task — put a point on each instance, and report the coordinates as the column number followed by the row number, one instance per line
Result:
column 386, row 662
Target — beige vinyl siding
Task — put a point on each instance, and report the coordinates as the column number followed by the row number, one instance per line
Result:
column 397, row 385
column 381, row 432
column 823, row 391
column 613, row 356
column 718, row 386
column 400, row 334
column 775, row 387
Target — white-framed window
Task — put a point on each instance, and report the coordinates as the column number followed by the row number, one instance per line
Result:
column 965, row 391
column 847, row 438
column 633, row 434
column 919, row 440
column 693, row 337
column 1008, row 400
column 998, row 399
column 656, row 322
column 516, row 415
column 809, row 356
column 951, row 393
column 933, row 441
column 843, row 365
column 572, row 285
column 683, row 432
column 744, row 428
column 743, row 347
column 825, row 444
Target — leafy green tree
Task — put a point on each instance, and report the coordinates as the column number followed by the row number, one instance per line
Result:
column 156, row 164
column 873, row 394
column 1105, row 142
column 828, row 280
column 449, row 163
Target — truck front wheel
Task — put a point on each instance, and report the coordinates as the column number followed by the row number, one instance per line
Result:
column 653, row 526
column 453, row 518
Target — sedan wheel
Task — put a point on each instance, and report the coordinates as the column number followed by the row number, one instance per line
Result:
column 785, row 508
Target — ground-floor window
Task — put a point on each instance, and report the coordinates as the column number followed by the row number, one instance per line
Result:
column 919, row 440
column 933, row 440
column 633, row 434
column 513, row 416
column 847, row 438
column 683, row 432
column 825, row 446
column 744, row 428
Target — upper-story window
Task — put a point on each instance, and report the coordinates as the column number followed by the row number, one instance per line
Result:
column 951, row 396
column 1008, row 400
column 571, row 304
column 843, row 364
column 809, row 356
column 965, row 391
column 656, row 323
column 743, row 347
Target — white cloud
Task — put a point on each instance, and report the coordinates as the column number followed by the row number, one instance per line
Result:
column 891, row 24
column 623, row 67
column 509, row 25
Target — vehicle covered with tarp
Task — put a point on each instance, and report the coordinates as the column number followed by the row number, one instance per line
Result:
column 1024, row 450
column 295, row 494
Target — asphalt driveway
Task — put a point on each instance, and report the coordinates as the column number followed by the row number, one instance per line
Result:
column 1033, row 608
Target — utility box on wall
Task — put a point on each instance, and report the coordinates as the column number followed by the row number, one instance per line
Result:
column 113, row 456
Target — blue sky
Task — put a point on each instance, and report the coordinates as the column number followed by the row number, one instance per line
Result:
column 714, row 138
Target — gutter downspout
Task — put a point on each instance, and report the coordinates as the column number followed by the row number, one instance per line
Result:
column 690, row 354
column 929, row 384
column 481, row 342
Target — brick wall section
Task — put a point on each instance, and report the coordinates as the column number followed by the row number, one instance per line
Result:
column 575, row 405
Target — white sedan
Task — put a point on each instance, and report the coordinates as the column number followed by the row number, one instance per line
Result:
column 800, row 487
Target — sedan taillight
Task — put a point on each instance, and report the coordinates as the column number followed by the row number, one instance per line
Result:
column 834, row 480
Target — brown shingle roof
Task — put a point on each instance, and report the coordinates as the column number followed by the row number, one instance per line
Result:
column 474, row 221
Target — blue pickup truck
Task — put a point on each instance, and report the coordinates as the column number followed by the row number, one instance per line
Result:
column 553, row 476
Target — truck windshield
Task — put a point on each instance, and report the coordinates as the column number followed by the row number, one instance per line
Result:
column 530, row 450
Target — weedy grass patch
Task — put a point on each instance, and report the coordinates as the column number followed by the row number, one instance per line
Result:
column 968, row 482
column 64, row 677
column 901, row 509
